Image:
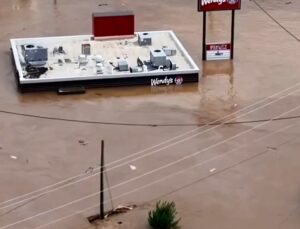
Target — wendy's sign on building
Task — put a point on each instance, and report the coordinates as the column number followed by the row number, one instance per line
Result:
column 215, row 5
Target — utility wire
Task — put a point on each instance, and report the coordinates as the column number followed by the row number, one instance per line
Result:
column 166, row 177
column 147, row 124
column 146, row 174
column 109, row 189
column 276, row 21
column 219, row 172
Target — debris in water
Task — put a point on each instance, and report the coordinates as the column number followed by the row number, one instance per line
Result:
column 234, row 105
column 82, row 142
column 120, row 209
column 13, row 157
column 271, row 148
column 132, row 167
column 89, row 170
column 212, row 170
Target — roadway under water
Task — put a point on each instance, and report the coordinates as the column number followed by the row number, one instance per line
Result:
column 266, row 62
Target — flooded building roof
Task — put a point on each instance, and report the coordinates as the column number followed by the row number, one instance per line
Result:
column 80, row 58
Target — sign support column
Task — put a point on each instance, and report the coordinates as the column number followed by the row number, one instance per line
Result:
column 232, row 33
column 204, row 37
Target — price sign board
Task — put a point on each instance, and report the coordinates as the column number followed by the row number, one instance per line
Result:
column 218, row 51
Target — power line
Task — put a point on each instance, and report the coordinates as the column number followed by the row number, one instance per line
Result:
column 143, row 175
column 146, row 124
column 283, row 114
column 220, row 171
column 142, row 153
column 171, row 175
column 276, row 21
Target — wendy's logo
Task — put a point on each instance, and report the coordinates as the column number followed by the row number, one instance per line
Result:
column 232, row 2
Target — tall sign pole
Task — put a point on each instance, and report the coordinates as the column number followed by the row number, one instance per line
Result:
column 218, row 51
column 204, row 37
column 232, row 33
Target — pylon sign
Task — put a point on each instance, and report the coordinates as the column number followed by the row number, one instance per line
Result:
column 214, row 5
column 218, row 51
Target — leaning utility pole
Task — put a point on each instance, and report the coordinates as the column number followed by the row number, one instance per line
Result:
column 101, row 181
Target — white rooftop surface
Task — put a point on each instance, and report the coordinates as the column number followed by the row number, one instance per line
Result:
column 110, row 50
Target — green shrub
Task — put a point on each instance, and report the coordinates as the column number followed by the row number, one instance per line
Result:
column 164, row 216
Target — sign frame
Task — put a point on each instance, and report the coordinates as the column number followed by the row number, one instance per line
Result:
column 204, row 51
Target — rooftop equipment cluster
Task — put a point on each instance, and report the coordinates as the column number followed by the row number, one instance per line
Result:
column 36, row 57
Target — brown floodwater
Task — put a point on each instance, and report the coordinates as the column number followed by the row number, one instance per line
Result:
column 241, row 190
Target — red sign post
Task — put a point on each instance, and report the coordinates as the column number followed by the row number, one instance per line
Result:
column 218, row 5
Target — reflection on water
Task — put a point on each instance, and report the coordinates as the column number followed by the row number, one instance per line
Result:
column 100, row 93
column 218, row 92
column 20, row 4
column 217, row 68
column 17, row 5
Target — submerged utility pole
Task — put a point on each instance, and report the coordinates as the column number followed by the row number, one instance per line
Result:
column 101, row 181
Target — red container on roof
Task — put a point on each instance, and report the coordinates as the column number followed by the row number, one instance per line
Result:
column 113, row 22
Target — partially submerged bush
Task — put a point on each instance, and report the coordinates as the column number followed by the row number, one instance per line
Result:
column 164, row 216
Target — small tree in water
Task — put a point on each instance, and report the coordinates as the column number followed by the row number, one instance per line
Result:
column 164, row 216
